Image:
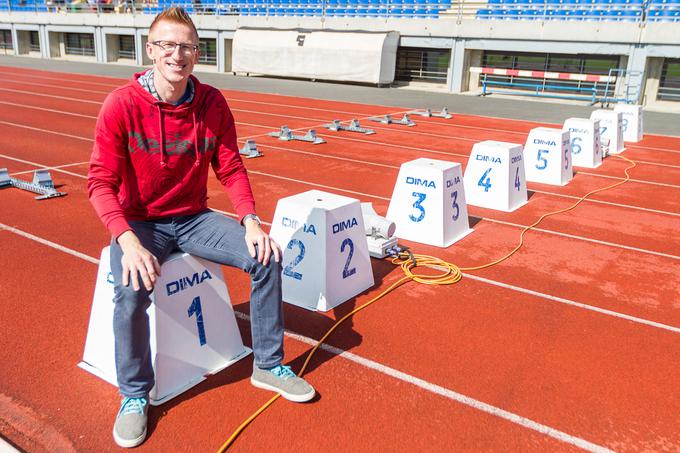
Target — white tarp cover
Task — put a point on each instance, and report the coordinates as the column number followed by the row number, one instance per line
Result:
column 355, row 56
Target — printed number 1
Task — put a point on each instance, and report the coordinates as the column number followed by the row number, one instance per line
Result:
column 196, row 308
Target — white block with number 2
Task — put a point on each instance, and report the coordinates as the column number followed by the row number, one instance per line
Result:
column 325, row 253
column 611, row 130
column 547, row 156
column 494, row 176
column 631, row 119
column 584, row 136
column 428, row 203
column 193, row 331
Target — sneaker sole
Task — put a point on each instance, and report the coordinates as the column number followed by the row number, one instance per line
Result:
column 289, row 396
column 128, row 443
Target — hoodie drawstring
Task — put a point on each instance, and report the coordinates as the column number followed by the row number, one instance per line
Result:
column 197, row 151
column 162, row 137
column 196, row 148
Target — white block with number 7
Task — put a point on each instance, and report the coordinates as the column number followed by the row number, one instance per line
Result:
column 428, row 203
column 494, row 176
column 325, row 253
column 611, row 130
column 547, row 156
column 584, row 136
column 193, row 331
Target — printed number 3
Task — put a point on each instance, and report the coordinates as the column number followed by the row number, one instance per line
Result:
column 454, row 205
column 418, row 206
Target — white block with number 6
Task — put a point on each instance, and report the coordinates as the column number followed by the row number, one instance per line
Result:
column 611, row 130
column 428, row 203
column 584, row 135
column 547, row 156
column 494, row 176
column 325, row 253
column 631, row 121
column 193, row 331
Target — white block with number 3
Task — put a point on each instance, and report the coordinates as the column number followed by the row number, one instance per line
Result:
column 428, row 203
column 611, row 130
column 631, row 120
column 547, row 156
column 584, row 136
column 193, row 331
column 325, row 253
column 494, row 176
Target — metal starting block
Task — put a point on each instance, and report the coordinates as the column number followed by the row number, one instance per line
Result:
column 250, row 150
column 286, row 134
column 387, row 119
column 429, row 114
column 354, row 126
column 42, row 184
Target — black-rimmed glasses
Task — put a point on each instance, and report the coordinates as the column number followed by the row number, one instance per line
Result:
column 168, row 47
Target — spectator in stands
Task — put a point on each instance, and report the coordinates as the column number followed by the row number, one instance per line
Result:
column 155, row 139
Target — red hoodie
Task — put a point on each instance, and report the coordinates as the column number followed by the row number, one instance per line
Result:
column 136, row 175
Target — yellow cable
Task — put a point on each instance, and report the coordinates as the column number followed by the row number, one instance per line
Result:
column 450, row 274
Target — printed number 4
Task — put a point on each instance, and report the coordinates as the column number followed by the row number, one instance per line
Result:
column 485, row 180
column 517, row 184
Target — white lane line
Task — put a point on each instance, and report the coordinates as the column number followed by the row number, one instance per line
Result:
column 384, row 369
column 47, row 131
column 43, row 109
column 54, row 96
column 56, row 167
column 639, row 181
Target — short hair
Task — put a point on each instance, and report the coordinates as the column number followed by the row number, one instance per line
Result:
column 176, row 15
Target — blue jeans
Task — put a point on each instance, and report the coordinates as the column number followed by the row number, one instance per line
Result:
column 208, row 235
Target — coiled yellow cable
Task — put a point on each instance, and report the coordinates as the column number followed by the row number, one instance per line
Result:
column 450, row 274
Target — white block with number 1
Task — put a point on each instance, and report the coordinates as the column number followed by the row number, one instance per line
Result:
column 494, row 176
column 611, row 130
column 631, row 118
column 547, row 156
column 584, row 135
column 428, row 202
column 325, row 253
column 193, row 331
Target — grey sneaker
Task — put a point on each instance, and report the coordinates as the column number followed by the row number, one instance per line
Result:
column 281, row 379
column 130, row 427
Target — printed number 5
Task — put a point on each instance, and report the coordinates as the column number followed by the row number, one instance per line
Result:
column 418, row 206
column 542, row 159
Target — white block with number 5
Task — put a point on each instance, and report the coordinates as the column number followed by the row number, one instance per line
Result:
column 428, row 203
column 494, row 176
column 193, row 331
column 611, row 130
column 631, row 120
column 584, row 136
column 325, row 253
column 547, row 156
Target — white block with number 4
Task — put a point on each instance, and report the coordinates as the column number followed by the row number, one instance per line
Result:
column 325, row 253
column 584, row 135
column 611, row 130
column 494, row 176
column 193, row 331
column 428, row 203
column 631, row 119
column 547, row 156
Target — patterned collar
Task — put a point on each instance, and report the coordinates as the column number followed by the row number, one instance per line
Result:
column 146, row 81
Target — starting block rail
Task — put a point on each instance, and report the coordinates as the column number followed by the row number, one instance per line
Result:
column 429, row 114
column 354, row 126
column 42, row 184
column 387, row 119
column 286, row 134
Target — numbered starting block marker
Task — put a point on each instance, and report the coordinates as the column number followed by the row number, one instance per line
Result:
column 42, row 184
column 387, row 119
column 547, row 156
column 428, row 203
column 584, row 136
column 429, row 114
column 631, row 117
column 193, row 331
column 286, row 134
column 611, row 130
column 325, row 253
column 494, row 176
column 353, row 126
column 250, row 150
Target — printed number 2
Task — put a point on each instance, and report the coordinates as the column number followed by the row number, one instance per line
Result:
column 418, row 206
column 485, row 180
column 288, row 270
column 346, row 271
column 454, row 205
column 196, row 308
column 542, row 159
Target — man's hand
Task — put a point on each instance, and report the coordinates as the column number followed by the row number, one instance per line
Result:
column 137, row 260
column 266, row 246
